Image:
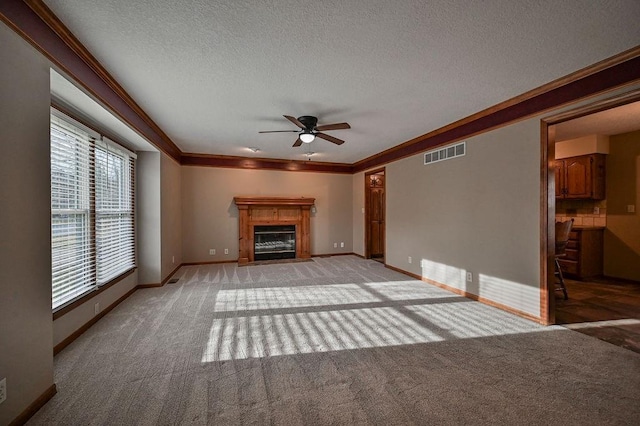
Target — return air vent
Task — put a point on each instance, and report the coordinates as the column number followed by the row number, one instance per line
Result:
column 445, row 153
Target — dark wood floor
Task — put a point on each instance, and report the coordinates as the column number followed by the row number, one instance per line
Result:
column 603, row 308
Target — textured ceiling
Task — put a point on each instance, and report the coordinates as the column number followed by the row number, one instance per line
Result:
column 212, row 74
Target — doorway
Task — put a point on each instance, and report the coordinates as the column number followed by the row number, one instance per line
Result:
column 614, row 116
column 375, row 214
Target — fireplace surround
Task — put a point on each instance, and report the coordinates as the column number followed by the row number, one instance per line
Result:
column 273, row 211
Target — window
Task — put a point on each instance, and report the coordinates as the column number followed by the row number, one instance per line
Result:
column 92, row 210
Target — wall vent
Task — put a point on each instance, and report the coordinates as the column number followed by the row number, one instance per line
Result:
column 445, row 153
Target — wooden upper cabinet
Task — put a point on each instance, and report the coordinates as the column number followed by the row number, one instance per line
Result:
column 578, row 172
column 581, row 178
column 558, row 169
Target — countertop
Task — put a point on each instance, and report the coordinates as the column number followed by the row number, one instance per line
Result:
column 587, row 228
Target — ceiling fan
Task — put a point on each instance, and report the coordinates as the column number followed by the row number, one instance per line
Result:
column 311, row 130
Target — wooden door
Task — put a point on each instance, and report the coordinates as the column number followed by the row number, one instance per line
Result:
column 376, row 207
column 578, row 177
column 376, row 215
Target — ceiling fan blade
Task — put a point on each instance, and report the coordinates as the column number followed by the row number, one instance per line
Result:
column 336, row 126
column 330, row 138
column 279, row 131
column 298, row 143
column 294, row 121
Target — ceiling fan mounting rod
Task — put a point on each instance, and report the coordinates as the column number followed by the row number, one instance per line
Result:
column 309, row 122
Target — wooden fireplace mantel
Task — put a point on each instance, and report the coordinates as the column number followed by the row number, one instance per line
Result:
column 273, row 211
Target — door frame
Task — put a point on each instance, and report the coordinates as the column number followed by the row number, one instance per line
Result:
column 367, row 212
column 547, row 193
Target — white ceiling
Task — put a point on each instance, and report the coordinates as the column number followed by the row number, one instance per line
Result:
column 614, row 121
column 94, row 114
column 212, row 74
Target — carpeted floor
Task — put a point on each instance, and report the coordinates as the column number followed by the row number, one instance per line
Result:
column 339, row 340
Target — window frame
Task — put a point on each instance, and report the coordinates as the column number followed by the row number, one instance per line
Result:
column 98, row 141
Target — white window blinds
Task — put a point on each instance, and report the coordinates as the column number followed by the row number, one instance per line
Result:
column 72, row 246
column 114, row 212
column 92, row 211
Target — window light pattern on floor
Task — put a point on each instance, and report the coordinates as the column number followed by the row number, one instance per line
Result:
column 268, row 316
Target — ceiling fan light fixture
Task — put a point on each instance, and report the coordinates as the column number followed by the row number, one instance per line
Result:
column 307, row 137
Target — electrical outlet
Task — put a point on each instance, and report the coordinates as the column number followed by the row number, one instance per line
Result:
column 212, row 252
column 96, row 308
column 173, row 259
column 226, row 251
column 631, row 208
column 335, row 245
column 3, row 390
column 410, row 260
column 469, row 277
column 596, row 210
column 363, row 210
column 342, row 244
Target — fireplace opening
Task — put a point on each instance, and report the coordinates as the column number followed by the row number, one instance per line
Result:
column 274, row 242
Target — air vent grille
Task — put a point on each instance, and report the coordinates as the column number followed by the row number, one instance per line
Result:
column 445, row 153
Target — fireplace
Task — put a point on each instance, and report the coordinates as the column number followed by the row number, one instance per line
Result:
column 274, row 242
column 273, row 228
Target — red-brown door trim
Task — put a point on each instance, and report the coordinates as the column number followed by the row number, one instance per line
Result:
column 547, row 193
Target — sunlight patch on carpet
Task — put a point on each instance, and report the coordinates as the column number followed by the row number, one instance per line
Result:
column 406, row 318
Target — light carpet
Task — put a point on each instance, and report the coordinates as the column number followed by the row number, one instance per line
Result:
column 339, row 340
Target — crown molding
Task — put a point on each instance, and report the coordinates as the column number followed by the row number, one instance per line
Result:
column 264, row 163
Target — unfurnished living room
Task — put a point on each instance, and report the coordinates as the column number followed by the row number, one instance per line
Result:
column 311, row 212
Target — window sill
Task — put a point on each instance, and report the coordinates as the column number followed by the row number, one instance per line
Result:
column 74, row 303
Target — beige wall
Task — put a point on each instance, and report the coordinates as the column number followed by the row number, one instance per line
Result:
column 148, row 220
column 210, row 218
column 592, row 144
column 622, row 236
column 358, row 214
column 25, row 264
column 478, row 213
column 159, row 216
column 171, row 215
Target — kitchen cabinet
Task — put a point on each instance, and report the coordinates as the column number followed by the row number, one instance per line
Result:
column 581, row 178
column 584, row 257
